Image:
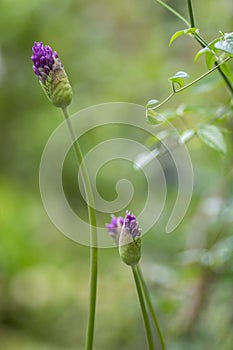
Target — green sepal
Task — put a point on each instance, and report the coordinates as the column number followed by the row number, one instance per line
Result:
column 57, row 87
column 129, row 248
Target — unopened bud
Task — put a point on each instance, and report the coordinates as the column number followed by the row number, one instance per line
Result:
column 52, row 76
column 130, row 241
column 127, row 236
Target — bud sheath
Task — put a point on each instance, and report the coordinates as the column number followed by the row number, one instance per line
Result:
column 51, row 74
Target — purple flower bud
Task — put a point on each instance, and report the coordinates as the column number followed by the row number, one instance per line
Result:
column 127, row 235
column 114, row 228
column 131, row 225
column 51, row 74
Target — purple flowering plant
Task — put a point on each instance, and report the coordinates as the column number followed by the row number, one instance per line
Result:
column 52, row 77
column 125, row 230
column 126, row 233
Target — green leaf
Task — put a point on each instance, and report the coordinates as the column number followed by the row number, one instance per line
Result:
column 212, row 137
column 153, row 117
column 176, row 35
column 200, row 53
column 188, row 31
column 225, row 43
column 210, row 59
column 152, row 103
column 225, row 46
column 178, row 78
column 186, row 136
column 209, row 54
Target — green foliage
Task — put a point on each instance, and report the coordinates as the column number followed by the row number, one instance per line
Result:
column 111, row 52
column 212, row 137
column 178, row 78
column 225, row 43
column 152, row 103
column 209, row 55
column 188, row 31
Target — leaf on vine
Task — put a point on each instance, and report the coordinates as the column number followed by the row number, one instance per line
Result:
column 209, row 56
column 178, row 78
column 152, row 103
column 188, row 31
column 225, row 43
column 186, row 136
column 200, row 53
column 212, row 137
column 153, row 117
column 210, row 59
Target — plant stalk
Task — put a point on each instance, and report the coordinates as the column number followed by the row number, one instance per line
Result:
column 93, row 236
column 191, row 15
column 145, row 315
column 150, row 307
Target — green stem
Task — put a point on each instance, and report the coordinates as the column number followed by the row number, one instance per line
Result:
column 204, row 44
column 93, row 236
column 177, row 14
column 143, row 309
column 199, row 39
column 164, row 101
column 188, row 85
column 150, row 307
column 202, row 76
column 191, row 15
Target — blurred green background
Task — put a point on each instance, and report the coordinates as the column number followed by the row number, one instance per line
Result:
column 112, row 51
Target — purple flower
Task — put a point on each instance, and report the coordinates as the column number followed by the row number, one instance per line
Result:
column 52, row 76
column 43, row 59
column 114, row 228
column 127, row 235
column 131, row 225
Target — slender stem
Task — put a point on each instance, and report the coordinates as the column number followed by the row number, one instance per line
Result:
column 204, row 44
column 191, row 15
column 188, row 85
column 199, row 39
column 150, row 307
column 177, row 14
column 143, row 309
column 93, row 236
column 164, row 101
column 202, row 76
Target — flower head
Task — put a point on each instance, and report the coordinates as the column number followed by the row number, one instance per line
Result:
column 127, row 235
column 114, row 228
column 51, row 74
column 131, row 225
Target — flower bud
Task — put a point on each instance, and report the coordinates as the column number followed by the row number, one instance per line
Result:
column 127, row 235
column 130, row 241
column 52, row 76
